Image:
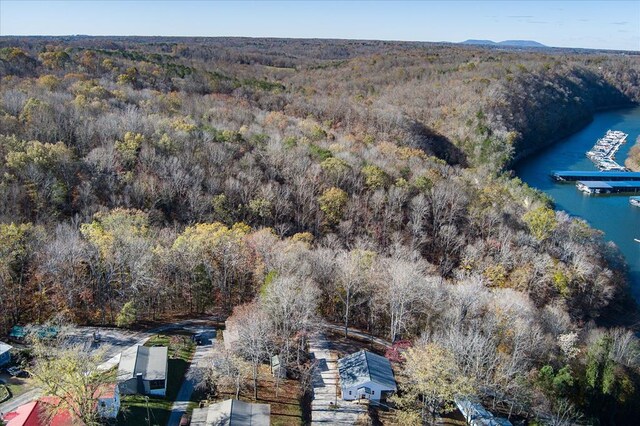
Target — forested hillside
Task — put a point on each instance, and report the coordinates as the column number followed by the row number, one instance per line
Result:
column 194, row 175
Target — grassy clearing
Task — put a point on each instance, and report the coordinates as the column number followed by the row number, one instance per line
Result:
column 17, row 386
column 153, row 410
column 4, row 393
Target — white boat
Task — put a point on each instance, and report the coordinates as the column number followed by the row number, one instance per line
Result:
column 634, row 201
column 604, row 151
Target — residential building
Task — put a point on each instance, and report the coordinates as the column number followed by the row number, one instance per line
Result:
column 365, row 375
column 143, row 370
column 5, row 354
column 232, row 413
column 108, row 397
column 37, row 413
column 476, row 415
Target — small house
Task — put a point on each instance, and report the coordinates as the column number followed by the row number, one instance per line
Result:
column 232, row 412
column 365, row 375
column 143, row 370
column 5, row 353
column 476, row 415
column 18, row 333
column 108, row 400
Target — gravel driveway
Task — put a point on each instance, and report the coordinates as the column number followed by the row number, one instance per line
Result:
column 325, row 388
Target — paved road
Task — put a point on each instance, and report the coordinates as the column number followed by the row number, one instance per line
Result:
column 200, row 360
column 112, row 340
column 19, row 400
column 325, row 387
column 358, row 333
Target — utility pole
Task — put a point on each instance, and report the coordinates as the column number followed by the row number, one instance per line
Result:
column 146, row 399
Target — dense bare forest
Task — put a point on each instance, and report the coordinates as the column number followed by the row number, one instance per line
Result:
column 161, row 176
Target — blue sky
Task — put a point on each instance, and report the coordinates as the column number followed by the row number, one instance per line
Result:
column 590, row 24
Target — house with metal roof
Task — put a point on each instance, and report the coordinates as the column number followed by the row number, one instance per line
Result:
column 37, row 413
column 18, row 333
column 232, row 413
column 476, row 415
column 365, row 375
column 5, row 354
column 143, row 370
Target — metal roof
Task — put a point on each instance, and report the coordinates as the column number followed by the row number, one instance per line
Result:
column 476, row 415
column 364, row 366
column 4, row 347
column 151, row 362
column 595, row 184
column 231, row 413
column 610, row 184
column 596, row 174
column 18, row 331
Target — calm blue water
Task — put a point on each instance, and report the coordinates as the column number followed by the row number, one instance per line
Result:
column 612, row 214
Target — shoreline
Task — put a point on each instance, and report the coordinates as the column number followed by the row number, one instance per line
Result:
column 581, row 124
column 624, row 309
column 632, row 162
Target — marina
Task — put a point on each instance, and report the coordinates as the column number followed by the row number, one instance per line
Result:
column 613, row 187
column 612, row 178
column 571, row 175
column 613, row 214
column 603, row 152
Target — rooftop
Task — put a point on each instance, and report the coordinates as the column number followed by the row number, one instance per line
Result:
column 364, row 366
column 34, row 414
column 598, row 184
column 151, row 362
column 595, row 184
column 477, row 415
column 232, row 412
column 4, row 347
column 106, row 391
column 595, row 173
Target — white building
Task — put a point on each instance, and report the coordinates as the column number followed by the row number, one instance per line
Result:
column 143, row 370
column 365, row 375
column 5, row 355
column 108, row 397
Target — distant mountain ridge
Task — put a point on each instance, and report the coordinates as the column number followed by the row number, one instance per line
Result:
column 509, row 43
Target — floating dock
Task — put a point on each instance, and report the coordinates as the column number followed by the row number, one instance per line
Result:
column 610, row 187
column 570, row 175
column 603, row 152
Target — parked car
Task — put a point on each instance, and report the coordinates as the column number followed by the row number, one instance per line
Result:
column 185, row 420
column 17, row 372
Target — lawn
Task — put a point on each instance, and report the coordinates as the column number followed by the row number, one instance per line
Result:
column 17, row 386
column 153, row 410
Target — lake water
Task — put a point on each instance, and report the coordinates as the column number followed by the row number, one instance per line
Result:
column 612, row 214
